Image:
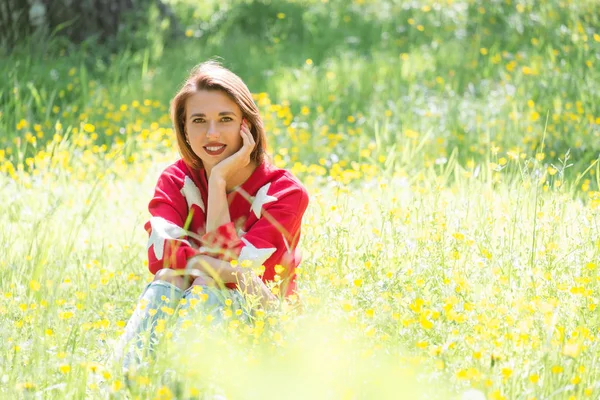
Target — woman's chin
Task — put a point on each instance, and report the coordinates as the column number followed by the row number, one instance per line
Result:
column 212, row 161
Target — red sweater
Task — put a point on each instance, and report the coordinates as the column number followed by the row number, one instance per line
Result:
column 266, row 213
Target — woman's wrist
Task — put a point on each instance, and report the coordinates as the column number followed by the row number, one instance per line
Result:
column 218, row 208
column 216, row 182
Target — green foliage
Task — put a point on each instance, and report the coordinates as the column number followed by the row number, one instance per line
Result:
column 478, row 75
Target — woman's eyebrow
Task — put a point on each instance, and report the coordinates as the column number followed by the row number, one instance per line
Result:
column 204, row 115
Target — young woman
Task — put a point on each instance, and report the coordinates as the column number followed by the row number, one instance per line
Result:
column 222, row 201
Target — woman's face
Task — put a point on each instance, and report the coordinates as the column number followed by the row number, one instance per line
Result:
column 212, row 125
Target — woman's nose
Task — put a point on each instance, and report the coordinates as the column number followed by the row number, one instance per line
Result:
column 212, row 129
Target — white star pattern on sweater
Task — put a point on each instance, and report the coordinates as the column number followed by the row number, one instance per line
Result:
column 261, row 199
column 192, row 194
column 256, row 256
column 164, row 230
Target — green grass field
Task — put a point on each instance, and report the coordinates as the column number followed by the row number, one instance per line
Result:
column 452, row 244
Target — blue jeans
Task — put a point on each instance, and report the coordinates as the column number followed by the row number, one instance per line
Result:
column 162, row 304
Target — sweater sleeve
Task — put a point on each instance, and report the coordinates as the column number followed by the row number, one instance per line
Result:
column 271, row 240
column 169, row 245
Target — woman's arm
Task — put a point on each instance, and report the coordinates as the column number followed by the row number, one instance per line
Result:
column 218, row 208
column 223, row 271
column 270, row 241
column 169, row 243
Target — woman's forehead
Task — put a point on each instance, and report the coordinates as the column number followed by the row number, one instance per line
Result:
column 210, row 102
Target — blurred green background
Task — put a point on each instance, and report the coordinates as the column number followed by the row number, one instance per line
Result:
column 372, row 81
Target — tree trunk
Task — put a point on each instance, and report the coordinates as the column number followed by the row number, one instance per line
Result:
column 76, row 19
column 14, row 21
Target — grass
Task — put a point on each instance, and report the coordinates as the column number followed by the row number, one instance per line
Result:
column 451, row 243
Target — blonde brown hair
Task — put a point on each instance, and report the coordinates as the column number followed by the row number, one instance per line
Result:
column 210, row 75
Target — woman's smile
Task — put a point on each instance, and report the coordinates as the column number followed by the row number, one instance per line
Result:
column 215, row 150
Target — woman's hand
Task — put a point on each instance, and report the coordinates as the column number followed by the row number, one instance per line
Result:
column 250, row 283
column 221, row 177
column 204, row 266
column 225, row 169
column 219, row 272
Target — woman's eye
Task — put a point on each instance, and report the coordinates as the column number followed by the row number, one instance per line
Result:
column 201, row 120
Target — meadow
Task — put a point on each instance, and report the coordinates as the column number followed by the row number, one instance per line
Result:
column 451, row 248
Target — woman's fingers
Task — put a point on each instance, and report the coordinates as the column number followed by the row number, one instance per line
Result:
column 246, row 129
column 247, row 137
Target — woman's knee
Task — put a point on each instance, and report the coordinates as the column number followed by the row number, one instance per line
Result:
column 204, row 280
column 171, row 276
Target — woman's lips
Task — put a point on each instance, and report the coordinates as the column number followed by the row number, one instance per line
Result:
column 219, row 150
